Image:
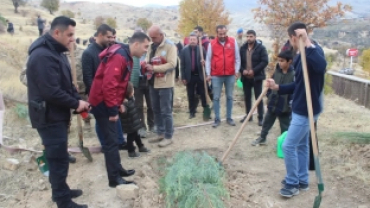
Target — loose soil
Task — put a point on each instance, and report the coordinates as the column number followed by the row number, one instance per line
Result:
column 253, row 173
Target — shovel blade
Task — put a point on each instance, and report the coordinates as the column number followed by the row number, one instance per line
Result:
column 43, row 165
column 317, row 201
column 206, row 113
column 86, row 152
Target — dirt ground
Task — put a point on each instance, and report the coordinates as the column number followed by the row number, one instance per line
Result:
column 253, row 173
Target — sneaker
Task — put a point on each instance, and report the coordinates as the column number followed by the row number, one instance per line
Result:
column 259, row 141
column 230, row 122
column 289, row 191
column 153, row 129
column 142, row 132
column 302, row 186
column 165, row 142
column 216, row 123
column 143, row 149
column 156, row 139
column 133, row 154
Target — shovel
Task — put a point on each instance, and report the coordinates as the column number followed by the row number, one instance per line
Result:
column 84, row 150
column 320, row 182
column 207, row 109
column 243, row 125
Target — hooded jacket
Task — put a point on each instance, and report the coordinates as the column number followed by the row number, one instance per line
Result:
column 111, row 80
column 260, row 60
column 49, row 79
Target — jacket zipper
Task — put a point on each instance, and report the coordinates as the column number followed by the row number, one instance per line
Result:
column 224, row 58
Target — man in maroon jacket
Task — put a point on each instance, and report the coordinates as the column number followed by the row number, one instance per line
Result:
column 106, row 98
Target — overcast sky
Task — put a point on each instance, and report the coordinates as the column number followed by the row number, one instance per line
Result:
column 136, row 2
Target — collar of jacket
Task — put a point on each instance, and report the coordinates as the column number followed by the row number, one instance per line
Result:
column 226, row 39
column 54, row 44
column 257, row 43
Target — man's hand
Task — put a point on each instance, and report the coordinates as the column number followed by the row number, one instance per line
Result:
column 203, row 62
column 237, row 75
column 303, row 33
column 270, row 83
column 122, row 109
column 245, row 72
column 208, row 78
column 149, row 68
column 184, row 82
column 250, row 73
column 82, row 106
column 113, row 118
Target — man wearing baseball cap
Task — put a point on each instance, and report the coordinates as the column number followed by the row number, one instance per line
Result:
column 239, row 37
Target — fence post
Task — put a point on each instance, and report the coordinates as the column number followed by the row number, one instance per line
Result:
column 365, row 100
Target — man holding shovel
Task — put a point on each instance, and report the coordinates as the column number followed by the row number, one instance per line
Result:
column 296, row 144
column 192, row 74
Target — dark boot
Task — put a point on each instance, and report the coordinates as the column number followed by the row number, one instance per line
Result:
column 119, row 181
column 70, row 204
column 72, row 159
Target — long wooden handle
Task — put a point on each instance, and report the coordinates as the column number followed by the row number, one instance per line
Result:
column 74, row 78
column 244, row 124
column 203, row 71
column 309, row 101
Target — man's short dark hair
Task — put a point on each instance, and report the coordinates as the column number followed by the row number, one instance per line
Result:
column 220, row 27
column 251, row 32
column 114, row 31
column 287, row 55
column 211, row 37
column 62, row 22
column 129, row 90
column 138, row 37
column 295, row 26
column 199, row 28
column 78, row 40
column 103, row 29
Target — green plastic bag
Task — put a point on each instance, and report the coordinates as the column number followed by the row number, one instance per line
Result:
column 239, row 84
column 280, row 142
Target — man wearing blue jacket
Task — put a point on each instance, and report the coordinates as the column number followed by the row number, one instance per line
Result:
column 296, row 144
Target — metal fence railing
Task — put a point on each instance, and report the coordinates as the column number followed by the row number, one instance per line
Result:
column 351, row 87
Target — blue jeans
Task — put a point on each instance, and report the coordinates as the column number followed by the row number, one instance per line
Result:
column 296, row 150
column 121, row 138
column 217, row 83
column 162, row 108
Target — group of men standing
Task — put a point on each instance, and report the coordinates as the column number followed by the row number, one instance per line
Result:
column 226, row 59
column 108, row 67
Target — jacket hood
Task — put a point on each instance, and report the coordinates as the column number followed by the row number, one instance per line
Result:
column 49, row 41
column 256, row 44
column 111, row 50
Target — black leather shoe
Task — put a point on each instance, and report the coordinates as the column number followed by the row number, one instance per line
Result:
column 71, row 159
column 192, row 115
column 74, row 194
column 126, row 173
column 119, row 181
column 243, row 119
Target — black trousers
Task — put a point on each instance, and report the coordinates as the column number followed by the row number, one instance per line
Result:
column 131, row 138
column 269, row 121
column 195, row 85
column 54, row 138
column 247, row 88
column 311, row 165
column 141, row 92
column 111, row 154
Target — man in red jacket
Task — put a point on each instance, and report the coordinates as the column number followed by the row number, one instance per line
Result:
column 106, row 98
column 222, row 66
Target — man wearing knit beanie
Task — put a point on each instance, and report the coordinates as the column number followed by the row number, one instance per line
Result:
column 239, row 38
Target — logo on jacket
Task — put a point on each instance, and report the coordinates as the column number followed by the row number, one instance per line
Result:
column 163, row 53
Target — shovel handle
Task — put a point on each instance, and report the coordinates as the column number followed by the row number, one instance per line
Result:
column 203, row 71
column 309, row 108
column 244, row 124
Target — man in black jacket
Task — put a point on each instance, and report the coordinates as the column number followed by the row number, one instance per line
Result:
column 254, row 59
column 51, row 96
column 191, row 73
column 105, row 36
